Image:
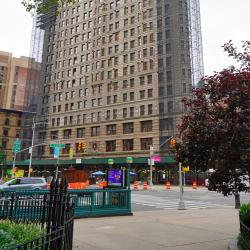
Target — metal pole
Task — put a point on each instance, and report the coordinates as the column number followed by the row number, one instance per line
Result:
column 151, row 166
column 57, row 162
column 184, row 178
column 32, row 144
column 13, row 167
column 181, row 202
column 129, row 191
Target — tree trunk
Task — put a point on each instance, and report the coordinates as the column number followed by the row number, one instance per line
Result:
column 237, row 199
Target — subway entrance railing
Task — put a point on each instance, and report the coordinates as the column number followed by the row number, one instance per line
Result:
column 87, row 202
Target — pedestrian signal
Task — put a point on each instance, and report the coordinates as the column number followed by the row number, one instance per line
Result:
column 172, row 142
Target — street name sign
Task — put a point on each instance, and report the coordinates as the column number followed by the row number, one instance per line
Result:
column 16, row 147
column 59, row 145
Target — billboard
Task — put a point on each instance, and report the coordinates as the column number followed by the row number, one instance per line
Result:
column 114, row 178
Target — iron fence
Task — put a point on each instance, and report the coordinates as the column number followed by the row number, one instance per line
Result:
column 245, row 233
column 87, row 202
column 53, row 212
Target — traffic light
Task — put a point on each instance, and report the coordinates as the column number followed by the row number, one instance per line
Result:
column 79, row 146
column 172, row 142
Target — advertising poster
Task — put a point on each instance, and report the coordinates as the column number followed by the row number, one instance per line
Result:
column 115, row 178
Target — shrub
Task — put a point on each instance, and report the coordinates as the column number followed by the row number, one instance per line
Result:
column 245, row 214
column 17, row 233
column 243, row 243
column 5, row 239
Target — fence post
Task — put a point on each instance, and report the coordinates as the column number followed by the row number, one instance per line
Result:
column 12, row 200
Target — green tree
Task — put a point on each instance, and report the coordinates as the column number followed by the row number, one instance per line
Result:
column 43, row 6
column 215, row 133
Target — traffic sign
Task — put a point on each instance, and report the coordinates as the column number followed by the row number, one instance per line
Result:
column 16, row 146
column 59, row 145
column 185, row 169
column 56, row 152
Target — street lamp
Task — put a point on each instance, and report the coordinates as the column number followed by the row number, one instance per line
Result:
column 151, row 152
column 129, row 161
column 32, row 142
column 172, row 143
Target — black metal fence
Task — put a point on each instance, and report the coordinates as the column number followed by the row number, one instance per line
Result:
column 53, row 212
column 245, row 234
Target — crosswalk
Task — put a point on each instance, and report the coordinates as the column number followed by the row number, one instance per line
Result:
column 168, row 204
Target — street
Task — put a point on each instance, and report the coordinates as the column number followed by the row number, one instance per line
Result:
column 161, row 199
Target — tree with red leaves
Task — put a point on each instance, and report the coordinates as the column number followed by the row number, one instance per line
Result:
column 215, row 133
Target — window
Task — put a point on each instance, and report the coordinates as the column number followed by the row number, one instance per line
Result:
column 142, row 94
column 146, row 126
column 132, row 111
column 67, row 134
column 142, row 80
column 114, row 113
column 128, row 145
column 124, row 112
column 170, row 107
column 150, row 109
column 110, row 146
column 150, row 93
column 5, row 131
column 146, row 143
column 128, row 128
column 66, row 149
column 142, row 110
column 54, row 135
column 111, row 129
column 7, row 122
column 132, row 96
column 80, row 132
column 95, row 131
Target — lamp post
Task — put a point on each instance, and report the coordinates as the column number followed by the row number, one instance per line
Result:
column 151, row 152
column 32, row 142
column 129, row 161
column 181, row 201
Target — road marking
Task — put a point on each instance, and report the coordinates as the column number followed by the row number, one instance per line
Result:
column 160, row 203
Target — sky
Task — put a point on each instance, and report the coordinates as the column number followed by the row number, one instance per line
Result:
column 221, row 21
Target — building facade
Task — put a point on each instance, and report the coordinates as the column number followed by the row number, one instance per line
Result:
column 10, row 129
column 114, row 73
column 13, row 79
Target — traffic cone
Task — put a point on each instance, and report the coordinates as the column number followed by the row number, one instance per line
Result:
column 135, row 185
column 168, row 185
column 194, row 185
column 145, row 185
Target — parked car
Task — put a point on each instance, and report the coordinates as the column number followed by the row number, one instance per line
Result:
column 24, row 183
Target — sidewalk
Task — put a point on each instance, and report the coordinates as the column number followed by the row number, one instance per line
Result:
column 204, row 229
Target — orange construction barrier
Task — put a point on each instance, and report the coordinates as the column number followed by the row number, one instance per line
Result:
column 135, row 185
column 83, row 185
column 194, row 185
column 102, row 184
column 168, row 185
column 145, row 185
column 87, row 182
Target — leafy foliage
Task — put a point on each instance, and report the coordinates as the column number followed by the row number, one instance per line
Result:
column 215, row 133
column 5, row 239
column 43, row 6
column 12, row 233
column 245, row 214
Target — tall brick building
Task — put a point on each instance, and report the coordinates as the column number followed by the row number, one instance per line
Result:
column 114, row 73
